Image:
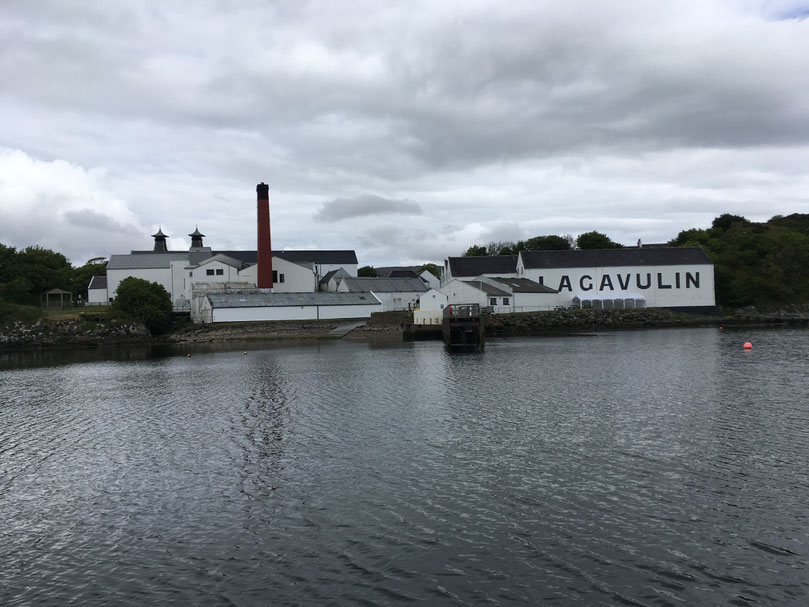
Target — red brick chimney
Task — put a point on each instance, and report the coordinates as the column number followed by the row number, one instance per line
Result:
column 264, row 280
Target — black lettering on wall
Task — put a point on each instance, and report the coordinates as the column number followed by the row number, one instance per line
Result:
column 564, row 284
column 660, row 284
column 648, row 281
column 692, row 279
column 676, row 280
column 589, row 287
column 606, row 281
column 624, row 285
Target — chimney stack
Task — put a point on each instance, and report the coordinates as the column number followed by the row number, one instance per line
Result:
column 264, row 279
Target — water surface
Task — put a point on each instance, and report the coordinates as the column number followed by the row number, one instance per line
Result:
column 663, row 467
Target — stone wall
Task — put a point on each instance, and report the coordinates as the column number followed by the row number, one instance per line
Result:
column 69, row 333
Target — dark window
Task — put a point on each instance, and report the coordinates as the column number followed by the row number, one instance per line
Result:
column 542, row 280
column 191, row 274
column 492, row 301
column 275, row 275
column 281, row 278
column 219, row 271
column 209, row 272
column 505, row 301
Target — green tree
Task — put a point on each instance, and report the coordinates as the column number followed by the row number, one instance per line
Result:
column 26, row 274
column 431, row 268
column 596, row 240
column 726, row 220
column 367, row 272
column 475, row 251
column 549, row 243
column 147, row 302
column 82, row 275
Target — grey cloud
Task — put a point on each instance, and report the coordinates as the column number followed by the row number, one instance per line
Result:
column 362, row 206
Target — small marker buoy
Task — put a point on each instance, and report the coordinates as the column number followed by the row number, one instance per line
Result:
column 721, row 328
column 188, row 355
column 748, row 345
column 245, row 353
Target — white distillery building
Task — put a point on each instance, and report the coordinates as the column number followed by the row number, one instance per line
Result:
column 199, row 268
column 394, row 293
column 657, row 277
column 501, row 295
column 258, row 306
column 97, row 291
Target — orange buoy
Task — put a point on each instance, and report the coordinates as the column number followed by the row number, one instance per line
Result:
column 748, row 345
column 721, row 328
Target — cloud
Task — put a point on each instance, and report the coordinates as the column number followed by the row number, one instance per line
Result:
column 503, row 120
column 62, row 207
column 362, row 206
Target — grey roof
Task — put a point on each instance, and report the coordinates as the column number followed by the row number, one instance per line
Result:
column 385, row 285
column 98, row 282
column 225, row 259
column 524, row 285
column 330, row 257
column 306, row 256
column 594, row 258
column 487, row 288
column 150, row 260
column 397, row 271
column 272, row 300
column 338, row 273
column 478, row 266
column 246, row 257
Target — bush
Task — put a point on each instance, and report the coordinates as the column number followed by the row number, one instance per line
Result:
column 10, row 313
column 146, row 302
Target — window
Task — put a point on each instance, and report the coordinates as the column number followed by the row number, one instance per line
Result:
column 275, row 275
column 542, row 280
column 492, row 301
column 280, row 278
column 505, row 301
column 219, row 271
column 191, row 275
column 209, row 272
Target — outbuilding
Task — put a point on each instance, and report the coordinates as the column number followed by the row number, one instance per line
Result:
column 264, row 306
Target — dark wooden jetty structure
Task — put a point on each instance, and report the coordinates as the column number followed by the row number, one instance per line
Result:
column 463, row 327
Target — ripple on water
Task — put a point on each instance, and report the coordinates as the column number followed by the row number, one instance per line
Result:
column 645, row 468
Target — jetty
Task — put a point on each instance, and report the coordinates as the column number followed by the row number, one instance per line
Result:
column 462, row 327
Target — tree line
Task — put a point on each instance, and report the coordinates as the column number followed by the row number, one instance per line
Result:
column 762, row 264
column 27, row 273
column 588, row 240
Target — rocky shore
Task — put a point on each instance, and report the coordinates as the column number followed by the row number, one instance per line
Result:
column 43, row 334
column 83, row 333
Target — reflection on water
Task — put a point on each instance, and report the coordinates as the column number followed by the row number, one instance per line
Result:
column 644, row 468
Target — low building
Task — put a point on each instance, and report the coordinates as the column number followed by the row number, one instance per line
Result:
column 97, row 291
column 430, row 308
column 394, row 293
column 263, row 306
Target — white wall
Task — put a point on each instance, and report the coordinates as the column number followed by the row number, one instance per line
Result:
column 292, row 313
column 459, row 292
column 161, row 276
column 430, row 309
column 662, row 286
column 297, row 279
column 97, row 297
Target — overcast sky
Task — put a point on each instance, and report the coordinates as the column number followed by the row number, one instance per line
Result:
column 406, row 131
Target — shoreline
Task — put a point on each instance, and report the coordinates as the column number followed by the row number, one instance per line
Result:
column 76, row 334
